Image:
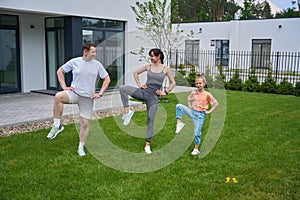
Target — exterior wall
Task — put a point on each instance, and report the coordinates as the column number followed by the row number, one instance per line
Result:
column 240, row 33
column 32, row 40
column 113, row 9
column 32, row 50
column 33, row 59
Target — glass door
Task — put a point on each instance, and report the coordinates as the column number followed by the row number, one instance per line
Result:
column 55, row 50
column 10, row 80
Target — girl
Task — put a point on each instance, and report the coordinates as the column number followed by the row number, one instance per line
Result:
column 198, row 102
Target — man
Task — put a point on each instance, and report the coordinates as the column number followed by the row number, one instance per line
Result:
column 85, row 72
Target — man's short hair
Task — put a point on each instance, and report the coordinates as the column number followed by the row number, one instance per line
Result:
column 87, row 46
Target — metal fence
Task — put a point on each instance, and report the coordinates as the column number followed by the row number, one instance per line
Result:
column 283, row 64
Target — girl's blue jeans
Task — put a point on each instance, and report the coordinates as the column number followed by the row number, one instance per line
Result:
column 196, row 116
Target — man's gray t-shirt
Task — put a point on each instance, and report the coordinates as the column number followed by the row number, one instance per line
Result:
column 85, row 74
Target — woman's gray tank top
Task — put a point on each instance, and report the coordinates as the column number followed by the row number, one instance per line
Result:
column 155, row 78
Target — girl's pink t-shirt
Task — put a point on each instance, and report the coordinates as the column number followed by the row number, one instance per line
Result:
column 200, row 100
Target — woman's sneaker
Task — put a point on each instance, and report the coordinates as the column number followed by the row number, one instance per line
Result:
column 55, row 131
column 127, row 117
column 148, row 150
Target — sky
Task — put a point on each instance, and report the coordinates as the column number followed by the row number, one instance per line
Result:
column 283, row 4
column 278, row 5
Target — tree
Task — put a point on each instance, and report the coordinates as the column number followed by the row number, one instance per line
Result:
column 257, row 10
column 188, row 10
column 155, row 20
column 231, row 9
column 203, row 15
column 289, row 13
column 266, row 12
column 216, row 9
column 205, row 10
column 247, row 11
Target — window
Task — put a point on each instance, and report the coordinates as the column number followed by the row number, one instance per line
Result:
column 10, row 79
column 191, row 52
column 8, row 20
column 102, row 23
column 55, row 23
column 222, row 52
column 261, row 50
column 108, row 35
column 65, row 37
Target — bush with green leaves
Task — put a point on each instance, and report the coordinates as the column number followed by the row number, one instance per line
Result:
column 208, row 77
column 269, row 85
column 252, row 84
column 285, row 87
column 220, row 79
column 180, row 76
column 297, row 89
column 181, row 70
column 192, row 76
column 235, row 82
column 180, row 79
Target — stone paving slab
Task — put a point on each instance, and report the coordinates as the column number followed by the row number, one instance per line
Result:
column 29, row 110
column 26, row 107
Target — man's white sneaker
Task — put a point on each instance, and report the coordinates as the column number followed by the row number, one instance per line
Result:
column 148, row 150
column 179, row 127
column 127, row 117
column 80, row 151
column 55, row 131
column 195, row 152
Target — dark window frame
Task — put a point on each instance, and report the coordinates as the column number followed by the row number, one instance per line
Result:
column 261, row 59
column 221, row 52
column 17, row 43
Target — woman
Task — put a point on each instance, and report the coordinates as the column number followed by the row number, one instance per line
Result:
column 148, row 92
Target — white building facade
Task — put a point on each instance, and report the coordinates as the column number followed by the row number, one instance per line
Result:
column 37, row 37
column 263, row 38
column 283, row 33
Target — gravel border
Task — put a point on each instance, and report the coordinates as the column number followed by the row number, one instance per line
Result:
column 47, row 123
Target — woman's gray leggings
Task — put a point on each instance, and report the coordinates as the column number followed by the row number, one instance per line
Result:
column 149, row 96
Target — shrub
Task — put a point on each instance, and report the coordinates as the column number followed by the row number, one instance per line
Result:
column 209, row 79
column 297, row 89
column 269, row 85
column 285, row 87
column 252, row 84
column 181, row 70
column 180, row 80
column 192, row 76
column 220, row 79
column 235, row 82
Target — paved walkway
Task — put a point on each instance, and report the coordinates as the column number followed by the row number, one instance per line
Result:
column 20, row 108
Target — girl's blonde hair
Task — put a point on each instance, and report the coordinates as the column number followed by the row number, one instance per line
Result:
column 202, row 77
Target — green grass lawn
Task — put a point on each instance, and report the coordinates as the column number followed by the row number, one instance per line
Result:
column 259, row 146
